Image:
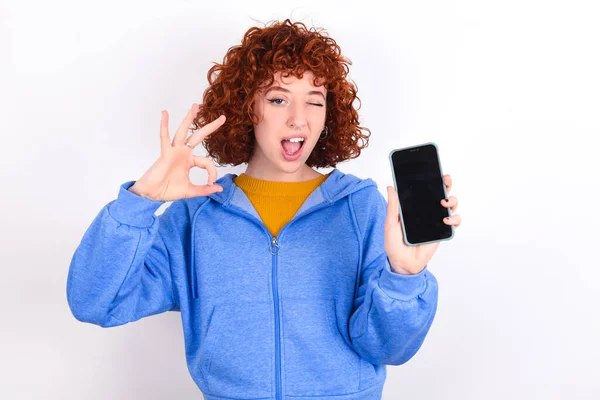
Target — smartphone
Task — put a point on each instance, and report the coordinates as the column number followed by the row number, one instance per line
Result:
column 418, row 180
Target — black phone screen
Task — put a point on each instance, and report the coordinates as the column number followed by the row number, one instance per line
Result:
column 420, row 190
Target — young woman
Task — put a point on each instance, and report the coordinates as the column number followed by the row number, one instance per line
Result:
column 291, row 284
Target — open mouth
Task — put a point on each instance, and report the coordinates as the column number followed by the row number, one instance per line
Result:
column 291, row 148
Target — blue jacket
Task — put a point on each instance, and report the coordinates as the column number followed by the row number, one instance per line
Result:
column 313, row 313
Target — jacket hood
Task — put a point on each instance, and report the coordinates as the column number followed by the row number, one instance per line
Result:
column 337, row 186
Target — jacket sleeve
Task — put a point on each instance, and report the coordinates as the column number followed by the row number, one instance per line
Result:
column 392, row 312
column 121, row 271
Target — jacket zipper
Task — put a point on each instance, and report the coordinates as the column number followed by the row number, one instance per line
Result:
column 274, row 254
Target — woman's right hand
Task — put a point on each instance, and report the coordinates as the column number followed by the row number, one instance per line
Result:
column 168, row 179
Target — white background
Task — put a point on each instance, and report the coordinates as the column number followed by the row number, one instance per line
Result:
column 508, row 90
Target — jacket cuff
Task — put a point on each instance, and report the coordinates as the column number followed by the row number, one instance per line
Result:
column 400, row 286
column 131, row 209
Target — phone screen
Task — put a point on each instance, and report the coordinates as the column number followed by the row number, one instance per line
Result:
column 420, row 189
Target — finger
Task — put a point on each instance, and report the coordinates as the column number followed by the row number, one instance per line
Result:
column 204, row 190
column 197, row 137
column 392, row 211
column 209, row 166
column 184, row 127
column 451, row 202
column 448, row 182
column 453, row 220
column 165, row 139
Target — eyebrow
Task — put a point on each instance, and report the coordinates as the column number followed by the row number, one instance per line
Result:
column 279, row 88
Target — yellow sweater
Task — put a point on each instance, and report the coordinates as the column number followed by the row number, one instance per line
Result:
column 276, row 202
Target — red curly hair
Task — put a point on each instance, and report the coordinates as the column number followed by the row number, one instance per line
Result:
column 292, row 49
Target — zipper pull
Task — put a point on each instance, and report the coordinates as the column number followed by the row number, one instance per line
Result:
column 274, row 244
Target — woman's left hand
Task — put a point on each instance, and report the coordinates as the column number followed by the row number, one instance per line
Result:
column 410, row 260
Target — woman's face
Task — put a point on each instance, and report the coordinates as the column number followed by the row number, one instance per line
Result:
column 289, row 108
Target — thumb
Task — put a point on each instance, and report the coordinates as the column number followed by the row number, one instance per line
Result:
column 393, row 211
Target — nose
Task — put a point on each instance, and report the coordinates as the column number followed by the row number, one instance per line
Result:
column 297, row 120
column 297, row 127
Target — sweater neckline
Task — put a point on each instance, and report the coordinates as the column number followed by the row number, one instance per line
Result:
column 277, row 188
